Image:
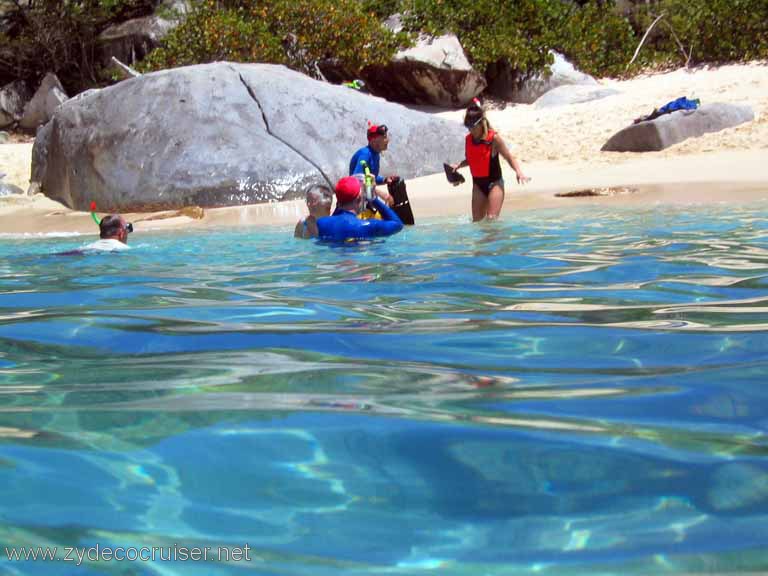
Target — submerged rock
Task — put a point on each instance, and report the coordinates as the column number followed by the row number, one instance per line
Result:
column 223, row 135
column 738, row 486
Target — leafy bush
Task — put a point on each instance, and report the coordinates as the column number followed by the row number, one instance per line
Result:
column 719, row 30
column 298, row 33
column 58, row 36
column 522, row 33
column 595, row 38
column 210, row 33
column 707, row 30
column 382, row 9
column 489, row 30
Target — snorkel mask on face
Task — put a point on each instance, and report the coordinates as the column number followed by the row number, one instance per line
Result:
column 128, row 225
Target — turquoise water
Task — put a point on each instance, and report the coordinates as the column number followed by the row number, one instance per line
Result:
column 578, row 392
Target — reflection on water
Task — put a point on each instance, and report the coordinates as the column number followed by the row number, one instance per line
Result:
column 560, row 393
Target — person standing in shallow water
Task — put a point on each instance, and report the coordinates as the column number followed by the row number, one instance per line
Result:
column 319, row 200
column 370, row 156
column 483, row 146
column 344, row 225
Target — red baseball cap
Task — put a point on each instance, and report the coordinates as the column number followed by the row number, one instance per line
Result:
column 347, row 189
column 376, row 130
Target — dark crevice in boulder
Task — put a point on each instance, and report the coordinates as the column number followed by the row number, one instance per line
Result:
column 269, row 131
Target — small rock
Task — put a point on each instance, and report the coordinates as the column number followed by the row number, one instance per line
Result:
column 8, row 189
column 609, row 191
column 194, row 212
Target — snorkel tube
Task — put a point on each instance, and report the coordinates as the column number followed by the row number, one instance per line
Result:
column 93, row 214
column 368, row 212
column 368, row 180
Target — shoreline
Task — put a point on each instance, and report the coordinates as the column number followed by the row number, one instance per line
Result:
column 731, row 177
column 559, row 148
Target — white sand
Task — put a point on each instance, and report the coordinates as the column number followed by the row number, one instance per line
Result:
column 559, row 148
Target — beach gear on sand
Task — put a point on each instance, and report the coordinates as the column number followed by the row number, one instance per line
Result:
column 358, row 85
column 682, row 103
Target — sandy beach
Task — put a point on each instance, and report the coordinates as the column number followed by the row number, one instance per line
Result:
column 559, row 149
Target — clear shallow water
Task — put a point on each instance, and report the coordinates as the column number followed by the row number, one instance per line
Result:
column 562, row 393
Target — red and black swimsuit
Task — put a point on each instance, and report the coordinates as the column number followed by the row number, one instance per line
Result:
column 483, row 163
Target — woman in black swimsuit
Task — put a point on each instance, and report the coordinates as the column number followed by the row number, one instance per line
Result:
column 482, row 150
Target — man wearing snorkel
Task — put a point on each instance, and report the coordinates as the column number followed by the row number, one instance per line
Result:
column 344, row 225
column 368, row 157
column 113, row 234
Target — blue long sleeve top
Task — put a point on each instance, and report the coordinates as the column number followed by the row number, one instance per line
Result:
column 344, row 225
column 371, row 157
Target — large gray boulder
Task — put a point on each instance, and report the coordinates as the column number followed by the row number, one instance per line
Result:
column 670, row 129
column 505, row 82
column 435, row 71
column 13, row 96
column 40, row 109
column 223, row 134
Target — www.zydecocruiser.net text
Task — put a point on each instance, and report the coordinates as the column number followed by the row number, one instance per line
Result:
column 98, row 553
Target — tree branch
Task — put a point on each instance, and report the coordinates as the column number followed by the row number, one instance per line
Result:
column 642, row 41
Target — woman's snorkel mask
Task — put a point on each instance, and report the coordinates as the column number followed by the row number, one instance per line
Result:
column 128, row 225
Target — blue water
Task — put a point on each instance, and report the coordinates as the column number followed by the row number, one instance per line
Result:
column 564, row 392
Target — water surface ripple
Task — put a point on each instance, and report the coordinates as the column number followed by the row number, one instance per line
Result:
column 561, row 393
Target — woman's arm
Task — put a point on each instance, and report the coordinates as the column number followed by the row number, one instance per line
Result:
column 498, row 141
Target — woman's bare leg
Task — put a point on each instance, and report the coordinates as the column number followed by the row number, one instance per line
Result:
column 495, row 202
column 479, row 204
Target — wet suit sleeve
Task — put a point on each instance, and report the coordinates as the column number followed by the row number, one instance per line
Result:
column 356, row 164
column 346, row 226
column 390, row 223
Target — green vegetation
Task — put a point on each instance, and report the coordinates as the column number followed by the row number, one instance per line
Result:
column 38, row 36
column 706, row 30
column 297, row 33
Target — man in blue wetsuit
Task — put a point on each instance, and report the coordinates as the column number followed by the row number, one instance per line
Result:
column 370, row 156
column 344, row 224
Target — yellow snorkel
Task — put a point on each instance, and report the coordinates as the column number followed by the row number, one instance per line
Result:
column 370, row 187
